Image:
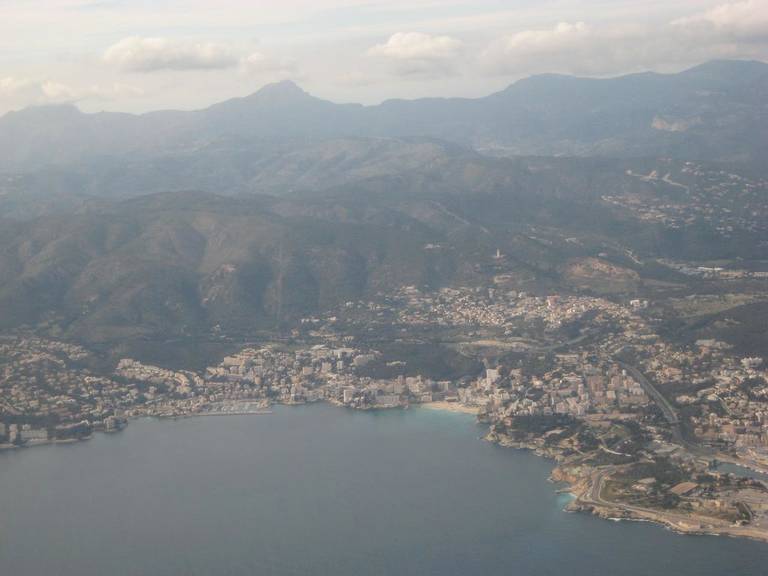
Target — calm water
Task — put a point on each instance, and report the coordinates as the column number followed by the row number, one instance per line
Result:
column 741, row 471
column 319, row 490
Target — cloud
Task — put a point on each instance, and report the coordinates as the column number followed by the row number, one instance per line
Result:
column 138, row 54
column 57, row 92
column 733, row 30
column 418, row 46
column 418, row 53
column 27, row 91
column 20, row 92
column 10, row 86
column 745, row 21
column 564, row 36
column 564, row 47
column 355, row 49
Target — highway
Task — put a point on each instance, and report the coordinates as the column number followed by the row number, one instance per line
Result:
column 670, row 414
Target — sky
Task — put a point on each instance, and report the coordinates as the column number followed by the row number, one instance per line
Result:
column 140, row 55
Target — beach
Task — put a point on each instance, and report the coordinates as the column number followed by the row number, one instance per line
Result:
column 450, row 407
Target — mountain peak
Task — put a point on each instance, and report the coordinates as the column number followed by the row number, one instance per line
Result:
column 283, row 89
column 274, row 96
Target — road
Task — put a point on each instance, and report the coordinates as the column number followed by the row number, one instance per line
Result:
column 566, row 344
column 596, row 488
column 687, row 523
column 680, row 521
column 670, row 414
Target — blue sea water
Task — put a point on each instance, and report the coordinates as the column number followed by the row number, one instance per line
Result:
column 319, row 490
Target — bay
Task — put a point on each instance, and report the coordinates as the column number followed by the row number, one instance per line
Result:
column 319, row 490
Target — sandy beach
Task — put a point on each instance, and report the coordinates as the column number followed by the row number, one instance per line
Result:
column 450, row 407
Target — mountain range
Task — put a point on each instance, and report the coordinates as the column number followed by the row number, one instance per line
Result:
column 258, row 211
column 715, row 111
column 180, row 264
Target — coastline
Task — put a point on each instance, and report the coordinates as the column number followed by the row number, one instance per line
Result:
column 586, row 490
column 450, row 407
column 50, row 442
column 689, row 526
column 264, row 409
column 582, row 484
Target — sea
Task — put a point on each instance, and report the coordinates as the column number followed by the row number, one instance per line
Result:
column 320, row 490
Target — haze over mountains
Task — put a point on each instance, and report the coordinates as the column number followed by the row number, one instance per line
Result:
column 260, row 210
column 715, row 111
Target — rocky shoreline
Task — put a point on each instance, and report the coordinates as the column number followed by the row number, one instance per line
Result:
column 579, row 482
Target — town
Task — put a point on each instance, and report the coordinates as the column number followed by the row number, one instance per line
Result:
column 582, row 379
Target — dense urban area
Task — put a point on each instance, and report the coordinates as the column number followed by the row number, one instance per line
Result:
column 636, row 422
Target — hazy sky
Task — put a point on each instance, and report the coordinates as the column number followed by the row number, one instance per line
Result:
column 136, row 55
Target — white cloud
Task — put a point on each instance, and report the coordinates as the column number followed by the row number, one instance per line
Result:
column 564, row 36
column 415, row 53
column 27, row 91
column 735, row 30
column 137, row 54
column 746, row 21
column 57, row 92
column 10, row 86
column 346, row 49
column 418, row 46
column 21, row 92
column 564, row 47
